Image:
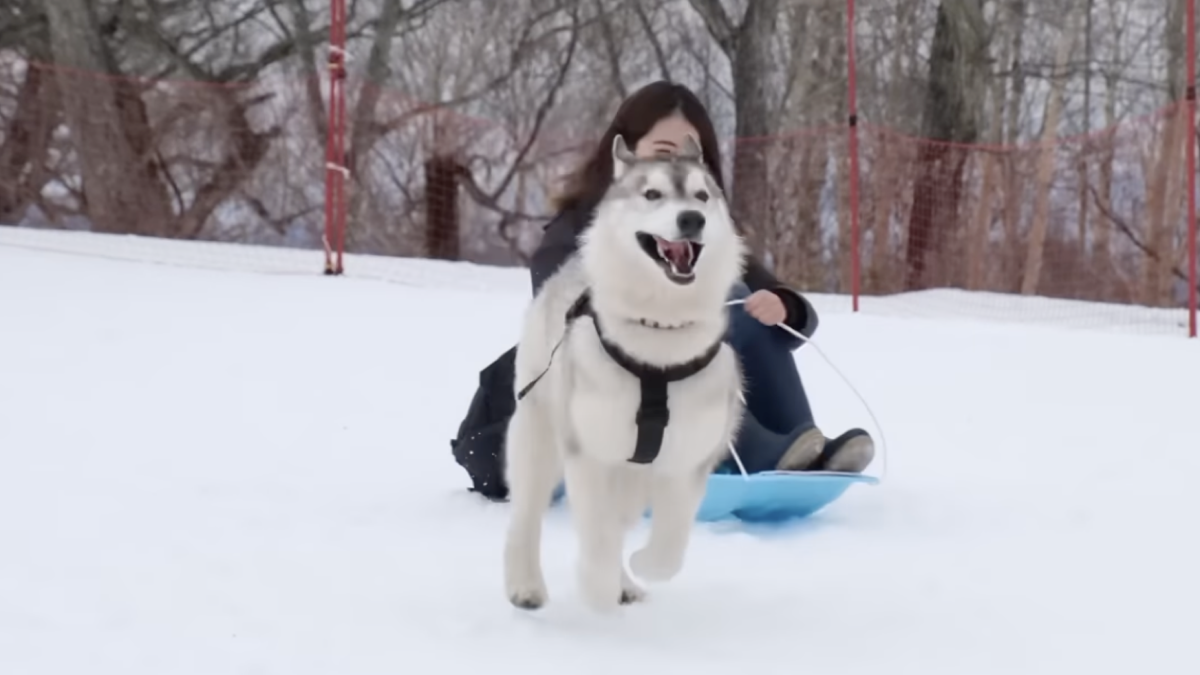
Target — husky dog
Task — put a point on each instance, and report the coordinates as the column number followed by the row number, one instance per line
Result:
column 627, row 389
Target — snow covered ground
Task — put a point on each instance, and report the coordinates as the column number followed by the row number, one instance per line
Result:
column 247, row 470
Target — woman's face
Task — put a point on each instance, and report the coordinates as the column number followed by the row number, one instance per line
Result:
column 666, row 137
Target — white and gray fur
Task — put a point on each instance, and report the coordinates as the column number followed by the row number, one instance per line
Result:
column 578, row 423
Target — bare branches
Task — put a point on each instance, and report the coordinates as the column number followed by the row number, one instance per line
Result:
column 612, row 53
column 543, row 109
column 651, row 35
column 306, row 47
column 364, row 132
column 1126, row 229
column 722, row 28
column 504, row 96
column 22, row 27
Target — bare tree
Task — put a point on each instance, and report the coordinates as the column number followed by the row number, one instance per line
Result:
column 1036, row 248
column 746, row 43
column 1164, row 188
column 120, row 186
column 951, row 119
column 27, row 136
column 425, row 120
column 207, row 119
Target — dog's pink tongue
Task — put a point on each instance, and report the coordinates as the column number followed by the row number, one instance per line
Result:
column 679, row 253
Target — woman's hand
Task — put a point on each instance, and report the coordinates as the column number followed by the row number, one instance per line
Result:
column 767, row 307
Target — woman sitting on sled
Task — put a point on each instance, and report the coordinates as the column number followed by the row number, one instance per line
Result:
column 778, row 431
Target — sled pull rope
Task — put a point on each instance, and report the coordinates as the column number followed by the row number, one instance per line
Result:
column 848, row 383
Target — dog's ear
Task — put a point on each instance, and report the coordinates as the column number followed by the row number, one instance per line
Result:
column 691, row 149
column 623, row 158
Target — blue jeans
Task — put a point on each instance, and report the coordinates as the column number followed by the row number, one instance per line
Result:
column 777, row 408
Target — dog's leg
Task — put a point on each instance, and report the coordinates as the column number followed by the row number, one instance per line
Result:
column 634, row 484
column 590, row 492
column 533, row 471
column 675, row 501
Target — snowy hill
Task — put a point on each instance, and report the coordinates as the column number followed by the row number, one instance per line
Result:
column 231, row 464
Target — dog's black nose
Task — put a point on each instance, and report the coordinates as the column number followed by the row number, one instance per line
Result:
column 690, row 223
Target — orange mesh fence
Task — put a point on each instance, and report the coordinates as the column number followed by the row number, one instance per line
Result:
column 429, row 182
column 1101, row 218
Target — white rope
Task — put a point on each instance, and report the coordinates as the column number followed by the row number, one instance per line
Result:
column 334, row 49
column 870, row 412
column 741, row 396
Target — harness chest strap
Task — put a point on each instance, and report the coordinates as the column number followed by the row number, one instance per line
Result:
column 653, row 413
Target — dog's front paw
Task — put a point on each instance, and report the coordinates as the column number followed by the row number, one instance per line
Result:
column 631, row 593
column 530, row 597
column 524, row 583
column 653, row 564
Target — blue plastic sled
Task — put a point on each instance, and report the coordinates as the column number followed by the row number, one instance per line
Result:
column 770, row 496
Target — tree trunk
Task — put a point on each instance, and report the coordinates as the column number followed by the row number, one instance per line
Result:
column 1102, row 255
column 108, row 129
column 306, row 47
column 950, row 120
column 23, row 154
column 980, row 224
column 1013, row 184
column 1036, row 247
column 367, row 226
column 747, row 47
column 885, row 179
column 751, row 66
column 1171, row 169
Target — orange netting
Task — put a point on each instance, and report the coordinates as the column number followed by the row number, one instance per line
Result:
column 1102, row 217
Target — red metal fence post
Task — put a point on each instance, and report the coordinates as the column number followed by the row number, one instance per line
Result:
column 852, row 131
column 344, row 172
column 336, row 170
column 1193, row 273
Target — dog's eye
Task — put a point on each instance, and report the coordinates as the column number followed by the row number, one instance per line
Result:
column 702, row 196
column 652, row 195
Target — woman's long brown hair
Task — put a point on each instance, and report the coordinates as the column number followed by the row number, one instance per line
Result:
column 634, row 119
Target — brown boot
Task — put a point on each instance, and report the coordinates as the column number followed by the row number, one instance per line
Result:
column 851, row 452
column 803, row 451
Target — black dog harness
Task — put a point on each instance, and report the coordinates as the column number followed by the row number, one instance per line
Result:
column 652, row 413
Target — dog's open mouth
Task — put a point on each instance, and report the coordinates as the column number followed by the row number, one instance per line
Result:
column 677, row 258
